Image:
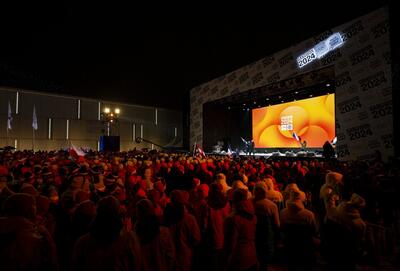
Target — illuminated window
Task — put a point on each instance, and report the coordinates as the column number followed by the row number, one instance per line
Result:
column 79, row 109
column 67, row 131
column 17, row 103
column 49, row 132
column 99, row 111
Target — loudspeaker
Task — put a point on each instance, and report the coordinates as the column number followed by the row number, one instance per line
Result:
column 109, row 143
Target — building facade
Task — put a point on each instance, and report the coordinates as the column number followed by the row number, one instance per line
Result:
column 63, row 120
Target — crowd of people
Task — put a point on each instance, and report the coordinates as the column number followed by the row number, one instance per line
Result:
column 154, row 210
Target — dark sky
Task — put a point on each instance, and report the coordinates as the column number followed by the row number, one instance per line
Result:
column 148, row 56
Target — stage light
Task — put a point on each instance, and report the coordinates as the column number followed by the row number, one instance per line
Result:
column 106, row 110
column 255, row 102
column 280, row 96
column 282, row 101
column 296, row 92
column 310, row 95
column 229, row 107
column 112, row 115
column 244, row 104
column 267, row 99
column 117, row 111
column 328, row 85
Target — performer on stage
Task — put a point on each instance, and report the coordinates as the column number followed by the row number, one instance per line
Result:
column 303, row 145
column 249, row 146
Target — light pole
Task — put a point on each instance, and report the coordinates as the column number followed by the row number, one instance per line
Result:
column 110, row 116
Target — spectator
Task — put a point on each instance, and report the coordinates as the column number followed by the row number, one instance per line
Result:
column 299, row 228
column 24, row 246
column 106, row 247
column 184, row 230
column 157, row 247
column 267, row 225
column 240, row 231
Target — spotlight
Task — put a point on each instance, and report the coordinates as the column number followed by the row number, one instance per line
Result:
column 328, row 85
column 280, row 96
column 282, row 101
column 229, row 107
column 255, row 102
column 106, row 110
column 117, row 111
column 267, row 99
column 310, row 95
column 296, row 92
column 244, row 104
column 112, row 115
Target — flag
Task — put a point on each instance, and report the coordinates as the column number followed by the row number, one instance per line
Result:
column 34, row 119
column 76, row 153
column 9, row 118
column 198, row 151
column 295, row 136
column 229, row 151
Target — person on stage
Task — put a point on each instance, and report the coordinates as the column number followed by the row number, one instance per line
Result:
column 303, row 145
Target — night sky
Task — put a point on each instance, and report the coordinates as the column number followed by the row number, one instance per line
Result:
column 150, row 57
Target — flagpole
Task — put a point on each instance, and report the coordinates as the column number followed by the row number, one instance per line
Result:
column 33, row 140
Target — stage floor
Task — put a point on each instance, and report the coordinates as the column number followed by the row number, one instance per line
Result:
column 277, row 154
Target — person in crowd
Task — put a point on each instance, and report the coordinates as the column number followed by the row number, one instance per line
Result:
column 221, row 179
column 267, row 225
column 184, row 229
column 219, row 209
column 240, row 233
column 346, row 233
column 157, row 247
column 272, row 194
column 330, row 192
column 24, row 245
column 299, row 228
column 106, row 246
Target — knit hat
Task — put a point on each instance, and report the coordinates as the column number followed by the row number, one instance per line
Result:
column 297, row 195
column 239, row 195
column 357, row 201
column 203, row 188
column 29, row 189
column 20, row 204
column 333, row 178
column 77, row 182
column 178, row 196
column 42, row 204
column 3, row 171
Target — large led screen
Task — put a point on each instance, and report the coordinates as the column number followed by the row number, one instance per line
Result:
column 288, row 125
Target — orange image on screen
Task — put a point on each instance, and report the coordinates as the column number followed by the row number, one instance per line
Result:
column 312, row 120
